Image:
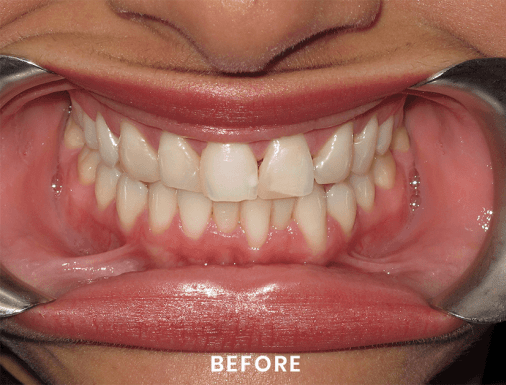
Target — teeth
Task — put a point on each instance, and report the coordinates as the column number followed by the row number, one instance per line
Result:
column 90, row 132
column 281, row 213
column 131, row 200
column 364, row 146
column 137, row 156
column 255, row 221
column 400, row 140
column 364, row 189
column 385, row 136
column 162, row 204
column 287, row 169
column 226, row 215
column 195, row 210
column 310, row 213
column 179, row 163
column 87, row 162
column 73, row 138
column 342, row 205
column 105, row 185
column 229, row 172
column 107, row 142
column 333, row 162
column 383, row 170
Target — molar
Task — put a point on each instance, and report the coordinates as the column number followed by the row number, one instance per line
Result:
column 383, row 169
column 364, row 146
column 73, row 138
column 400, row 140
column 87, row 162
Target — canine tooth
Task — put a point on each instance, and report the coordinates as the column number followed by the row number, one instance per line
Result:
column 364, row 146
column 310, row 212
column 255, row 216
column 73, row 138
column 228, row 172
column 131, row 200
column 363, row 186
column 195, row 210
column 383, row 170
column 90, row 132
column 400, row 140
column 107, row 142
column 226, row 215
column 87, row 162
column 162, row 205
column 385, row 135
column 105, row 185
column 342, row 205
column 281, row 213
column 333, row 162
column 179, row 163
column 287, row 169
column 136, row 155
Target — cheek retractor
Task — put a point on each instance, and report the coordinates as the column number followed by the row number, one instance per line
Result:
column 480, row 85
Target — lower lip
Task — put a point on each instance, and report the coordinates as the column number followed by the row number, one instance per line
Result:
column 275, row 308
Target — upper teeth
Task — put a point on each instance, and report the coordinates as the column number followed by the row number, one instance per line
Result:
column 225, row 182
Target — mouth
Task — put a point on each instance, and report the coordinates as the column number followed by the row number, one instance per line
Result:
column 242, row 215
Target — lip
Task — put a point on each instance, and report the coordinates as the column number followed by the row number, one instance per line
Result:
column 268, row 308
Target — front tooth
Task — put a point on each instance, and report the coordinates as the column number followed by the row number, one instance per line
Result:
column 342, row 205
column 229, row 172
column 333, row 162
column 73, row 138
column 105, row 185
column 195, row 210
column 255, row 216
column 137, row 156
column 226, row 215
column 179, row 163
column 383, row 170
column 363, row 186
column 287, row 169
column 400, row 140
column 107, row 142
column 310, row 213
column 281, row 213
column 364, row 146
column 87, row 162
column 90, row 132
column 162, row 205
column 131, row 200
column 385, row 135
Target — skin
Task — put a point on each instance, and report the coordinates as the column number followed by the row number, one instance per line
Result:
column 219, row 38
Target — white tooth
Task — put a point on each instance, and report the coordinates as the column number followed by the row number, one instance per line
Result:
column 333, row 162
column 364, row 146
column 287, row 169
column 137, row 156
column 400, row 140
column 384, row 171
column 385, row 135
column 226, row 215
column 105, row 185
column 255, row 221
column 281, row 213
column 73, row 138
column 195, row 210
column 342, row 205
column 77, row 113
column 90, row 132
column 310, row 213
column 107, row 142
column 131, row 200
column 162, row 204
column 363, row 185
column 87, row 162
column 179, row 163
column 228, row 172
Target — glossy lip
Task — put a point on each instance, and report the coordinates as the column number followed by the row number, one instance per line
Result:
column 220, row 308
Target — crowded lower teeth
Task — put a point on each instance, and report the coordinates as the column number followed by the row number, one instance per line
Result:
column 225, row 183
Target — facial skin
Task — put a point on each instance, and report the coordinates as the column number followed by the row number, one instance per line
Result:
column 207, row 41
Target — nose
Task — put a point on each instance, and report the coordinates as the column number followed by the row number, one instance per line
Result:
column 246, row 35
